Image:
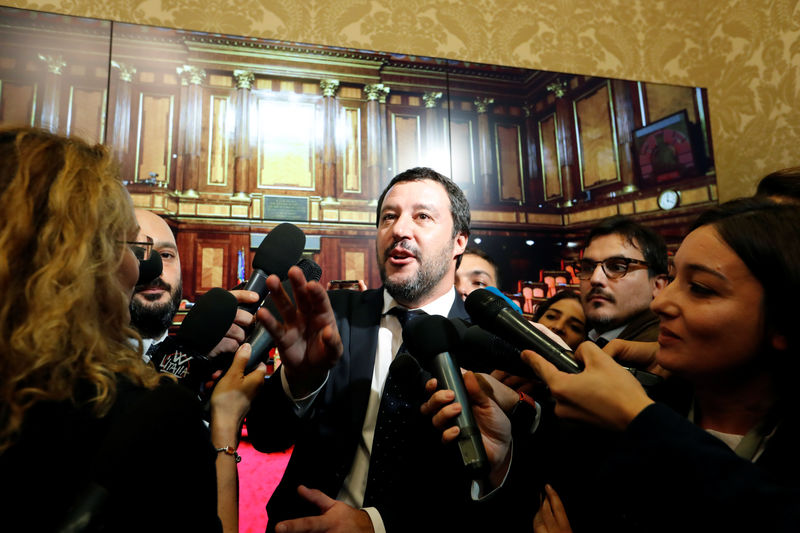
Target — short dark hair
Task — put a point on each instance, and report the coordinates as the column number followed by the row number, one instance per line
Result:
column 782, row 183
column 459, row 205
column 472, row 250
column 650, row 243
column 563, row 294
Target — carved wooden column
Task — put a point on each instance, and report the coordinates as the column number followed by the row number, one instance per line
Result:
column 375, row 135
column 565, row 137
column 486, row 177
column 624, row 113
column 121, row 138
column 193, row 127
column 180, row 163
column 52, row 93
column 329, row 111
column 241, row 162
column 435, row 143
column 534, row 187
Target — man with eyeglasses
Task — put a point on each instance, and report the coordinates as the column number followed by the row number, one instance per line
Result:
column 623, row 267
column 154, row 304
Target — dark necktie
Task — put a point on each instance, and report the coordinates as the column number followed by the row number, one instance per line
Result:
column 398, row 409
column 601, row 341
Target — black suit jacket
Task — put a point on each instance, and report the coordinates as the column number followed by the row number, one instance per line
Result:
column 326, row 437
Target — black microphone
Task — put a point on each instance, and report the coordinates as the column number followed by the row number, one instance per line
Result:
column 481, row 351
column 260, row 339
column 280, row 249
column 185, row 355
column 429, row 338
column 494, row 314
column 150, row 268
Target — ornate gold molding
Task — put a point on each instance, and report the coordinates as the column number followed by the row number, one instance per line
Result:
column 431, row 99
column 190, row 74
column 126, row 70
column 482, row 103
column 244, row 79
column 55, row 64
column 376, row 91
column 329, row 87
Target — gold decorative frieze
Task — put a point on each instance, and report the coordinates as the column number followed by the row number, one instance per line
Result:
column 591, row 214
column 552, row 219
column 494, row 216
column 329, row 87
column 626, row 208
column 244, row 79
column 55, row 64
column 126, row 70
column 646, row 204
column 482, row 103
column 694, row 196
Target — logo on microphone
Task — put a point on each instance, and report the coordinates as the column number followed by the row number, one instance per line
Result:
column 176, row 363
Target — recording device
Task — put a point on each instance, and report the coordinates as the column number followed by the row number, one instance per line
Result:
column 150, row 268
column 495, row 315
column 185, row 355
column 430, row 338
column 260, row 339
column 280, row 249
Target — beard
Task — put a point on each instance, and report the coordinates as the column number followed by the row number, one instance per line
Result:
column 152, row 319
column 430, row 272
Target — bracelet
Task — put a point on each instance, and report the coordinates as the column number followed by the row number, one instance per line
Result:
column 230, row 450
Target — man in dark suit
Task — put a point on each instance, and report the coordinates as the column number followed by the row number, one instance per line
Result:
column 623, row 267
column 337, row 351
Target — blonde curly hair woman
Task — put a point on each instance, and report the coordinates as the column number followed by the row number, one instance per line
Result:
column 80, row 413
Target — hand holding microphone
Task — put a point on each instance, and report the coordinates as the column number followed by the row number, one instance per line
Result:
column 430, row 339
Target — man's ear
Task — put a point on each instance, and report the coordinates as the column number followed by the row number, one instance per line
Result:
column 460, row 244
column 659, row 282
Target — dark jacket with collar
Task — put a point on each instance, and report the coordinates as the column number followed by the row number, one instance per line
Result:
column 326, row 437
column 643, row 328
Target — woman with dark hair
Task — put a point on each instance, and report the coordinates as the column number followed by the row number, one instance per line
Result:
column 563, row 314
column 87, row 430
column 728, row 327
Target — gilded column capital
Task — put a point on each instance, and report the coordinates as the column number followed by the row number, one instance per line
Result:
column 376, row 91
column 126, row 70
column 244, row 79
column 431, row 99
column 329, row 87
column 482, row 103
column 527, row 109
column 55, row 64
column 558, row 87
column 190, row 74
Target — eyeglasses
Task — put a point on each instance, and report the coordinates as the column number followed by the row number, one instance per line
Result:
column 613, row 267
column 141, row 249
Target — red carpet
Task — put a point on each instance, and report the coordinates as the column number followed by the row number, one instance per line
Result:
column 259, row 474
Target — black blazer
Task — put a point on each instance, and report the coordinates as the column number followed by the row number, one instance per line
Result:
column 326, row 438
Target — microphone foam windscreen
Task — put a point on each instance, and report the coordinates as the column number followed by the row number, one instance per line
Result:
column 311, row 270
column 280, row 249
column 208, row 321
column 509, row 301
column 429, row 335
column 150, row 268
column 483, row 305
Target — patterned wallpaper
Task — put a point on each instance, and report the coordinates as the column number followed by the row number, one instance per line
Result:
column 746, row 52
